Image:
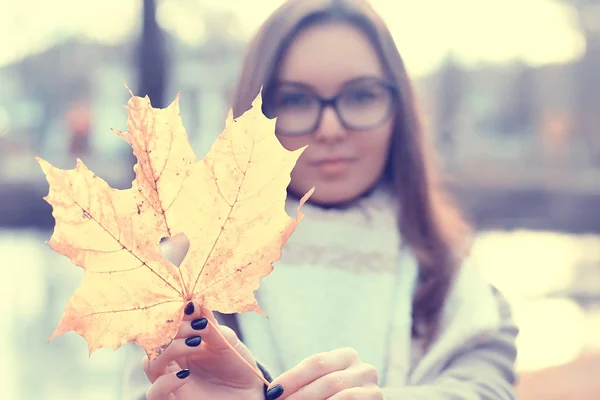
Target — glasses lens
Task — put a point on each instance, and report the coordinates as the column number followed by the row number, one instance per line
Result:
column 297, row 111
column 366, row 105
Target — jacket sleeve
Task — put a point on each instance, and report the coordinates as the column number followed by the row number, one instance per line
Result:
column 485, row 371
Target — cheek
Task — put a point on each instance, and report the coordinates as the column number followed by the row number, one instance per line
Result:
column 294, row 143
column 375, row 145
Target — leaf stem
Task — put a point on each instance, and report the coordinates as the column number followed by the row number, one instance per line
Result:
column 242, row 359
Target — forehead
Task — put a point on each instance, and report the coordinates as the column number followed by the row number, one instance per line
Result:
column 326, row 56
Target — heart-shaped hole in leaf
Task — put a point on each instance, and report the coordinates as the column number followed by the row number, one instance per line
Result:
column 175, row 249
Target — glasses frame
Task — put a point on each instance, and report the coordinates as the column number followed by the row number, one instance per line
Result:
column 333, row 102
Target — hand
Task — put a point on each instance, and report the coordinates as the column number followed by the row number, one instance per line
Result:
column 335, row 375
column 198, row 365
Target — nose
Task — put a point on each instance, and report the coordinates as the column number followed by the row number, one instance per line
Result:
column 330, row 128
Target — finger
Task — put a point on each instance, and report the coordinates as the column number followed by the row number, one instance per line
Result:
column 192, row 311
column 172, row 367
column 193, row 320
column 189, row 338
column 210, row 336
column 167, row 384
column 215, row 335
column 315, row 367
column 329, row 385
column 362, row 393
column 177, row 349
column 198, row 326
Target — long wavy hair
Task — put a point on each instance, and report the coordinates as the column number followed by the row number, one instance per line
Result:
column 429, row 224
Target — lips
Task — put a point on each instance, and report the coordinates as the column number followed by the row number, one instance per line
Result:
column 333, row 160
column 333, row 167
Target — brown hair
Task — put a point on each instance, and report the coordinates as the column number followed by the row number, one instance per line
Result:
column 428, row 224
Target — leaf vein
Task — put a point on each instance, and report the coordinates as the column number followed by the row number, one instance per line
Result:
column 226, row 220
column 66, row 190
column 142, row 308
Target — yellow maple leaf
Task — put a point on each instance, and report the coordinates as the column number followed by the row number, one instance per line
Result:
column 230, row 205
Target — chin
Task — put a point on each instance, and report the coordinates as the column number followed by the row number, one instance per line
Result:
column 330, row 197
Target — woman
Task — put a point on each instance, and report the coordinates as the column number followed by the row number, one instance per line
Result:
column 373, row 296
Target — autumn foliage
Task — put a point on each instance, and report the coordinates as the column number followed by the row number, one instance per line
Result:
column 230, row 205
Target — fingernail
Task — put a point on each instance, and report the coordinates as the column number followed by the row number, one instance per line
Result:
column 193, row 341
column 199, row 324
column 189, row 308
column 184, row 373
column 275, row 392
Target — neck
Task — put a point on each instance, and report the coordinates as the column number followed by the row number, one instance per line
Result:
column 341, row 205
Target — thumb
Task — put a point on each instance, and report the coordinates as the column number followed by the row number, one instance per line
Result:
column 237, row 344
column 212, row 337
column 215, row 332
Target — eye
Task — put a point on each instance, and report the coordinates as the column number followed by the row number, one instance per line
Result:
column 293, row 100
column 360, row 96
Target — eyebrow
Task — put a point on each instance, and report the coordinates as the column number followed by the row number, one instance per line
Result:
column 358, row 79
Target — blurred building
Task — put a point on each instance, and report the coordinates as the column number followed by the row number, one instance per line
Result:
column 513, row 124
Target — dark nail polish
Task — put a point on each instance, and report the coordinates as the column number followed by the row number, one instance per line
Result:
column 275, row 392
column 193, row 341
column 199, row 324
column 189, row 308
column 184, row 373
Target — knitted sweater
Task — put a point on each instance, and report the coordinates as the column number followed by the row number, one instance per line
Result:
column 344, row 281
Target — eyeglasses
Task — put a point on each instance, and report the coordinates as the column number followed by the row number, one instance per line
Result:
column 362, row 104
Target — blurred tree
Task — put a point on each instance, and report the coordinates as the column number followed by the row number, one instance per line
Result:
column 451, row 90
column 151, row 61
column 518, row 113
column 587, row 79
column 152, row 57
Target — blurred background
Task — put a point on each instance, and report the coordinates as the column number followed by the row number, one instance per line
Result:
column 510, row 91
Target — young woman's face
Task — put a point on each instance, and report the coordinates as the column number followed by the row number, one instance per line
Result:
column 347, row 150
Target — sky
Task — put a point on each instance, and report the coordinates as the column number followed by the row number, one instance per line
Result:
column 535, row 31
